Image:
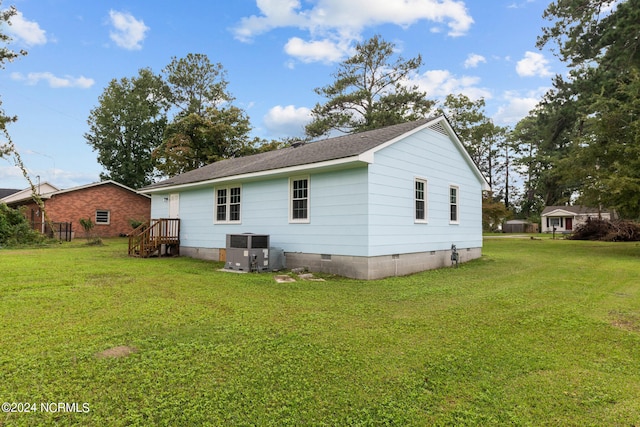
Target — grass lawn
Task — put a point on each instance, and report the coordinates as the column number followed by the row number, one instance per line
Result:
column 536, row 332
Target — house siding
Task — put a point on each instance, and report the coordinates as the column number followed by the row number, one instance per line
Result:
column 431, row 156
column 337, row 215
column 196, row 219
column 159, row 206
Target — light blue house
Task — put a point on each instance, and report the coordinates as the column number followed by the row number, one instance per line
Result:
column 386, row 202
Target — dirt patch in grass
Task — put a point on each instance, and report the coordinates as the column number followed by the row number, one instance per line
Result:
column 116, row 352
column 627, row 322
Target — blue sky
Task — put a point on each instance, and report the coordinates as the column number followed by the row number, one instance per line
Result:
column 275, row 52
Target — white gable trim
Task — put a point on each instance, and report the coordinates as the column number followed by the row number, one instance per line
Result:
column 559, row 212
column 97, row 184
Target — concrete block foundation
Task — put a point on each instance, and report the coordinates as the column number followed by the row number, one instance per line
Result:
column 357, row 267
column 378, row 267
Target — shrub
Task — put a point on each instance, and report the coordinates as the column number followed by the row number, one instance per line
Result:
column 135, row 223
column 14, row 228
column 87, row 225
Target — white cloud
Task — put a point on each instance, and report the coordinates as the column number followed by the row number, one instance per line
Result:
column 440, row 83
column 516, row 5
column 11, row 176
column 315, row 51
column 10, row 172
column 533, row 64
column 287, row 121
column 473, row 60
column 29, row 32
column 343, row 21
column 518, row 106
column 276, row 13
column 128, row 32
column 54, row 81
column 69, row 178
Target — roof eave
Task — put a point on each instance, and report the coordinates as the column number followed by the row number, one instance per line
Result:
column 344, row 163
column 28, row 198
column 97, row 184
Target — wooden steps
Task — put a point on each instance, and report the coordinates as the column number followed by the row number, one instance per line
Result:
column 157, row 237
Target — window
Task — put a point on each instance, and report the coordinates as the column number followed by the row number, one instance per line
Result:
column 103, row 217
column 299, row 190
column 221, row 204
column 420, row 200
column 234, row 204
column 454, row 204
column 228, row 204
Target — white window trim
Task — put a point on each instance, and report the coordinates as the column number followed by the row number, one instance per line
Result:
column 306, row 220
column 227, row 204
column 457, row 187
column 108, row 222
column 425, row 220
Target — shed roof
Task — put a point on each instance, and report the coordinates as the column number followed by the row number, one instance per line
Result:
column 517, row 221
column 332, row 149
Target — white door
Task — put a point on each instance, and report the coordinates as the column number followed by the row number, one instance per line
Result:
column 174, row 205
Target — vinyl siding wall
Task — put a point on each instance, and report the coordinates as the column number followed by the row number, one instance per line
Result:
column 431, row 156
column 337, row 213
column 159, row 207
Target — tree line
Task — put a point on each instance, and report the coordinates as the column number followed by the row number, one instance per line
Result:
column 582, row 141
column 152, row 126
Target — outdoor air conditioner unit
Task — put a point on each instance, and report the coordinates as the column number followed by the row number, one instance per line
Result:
column 247, row 252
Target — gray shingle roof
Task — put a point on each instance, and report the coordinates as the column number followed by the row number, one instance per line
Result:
column 314, row 152
column 4, row 192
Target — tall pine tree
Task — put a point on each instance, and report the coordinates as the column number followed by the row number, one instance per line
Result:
column 370, row 91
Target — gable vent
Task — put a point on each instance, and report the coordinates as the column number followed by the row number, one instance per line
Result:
column 438, row 127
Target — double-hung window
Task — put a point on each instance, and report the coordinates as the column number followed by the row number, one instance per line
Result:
column 299, row 199
column 454, row 204
column 228, row 202
column 420, row 200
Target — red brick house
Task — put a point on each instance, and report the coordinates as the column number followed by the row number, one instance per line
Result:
column 110, row 205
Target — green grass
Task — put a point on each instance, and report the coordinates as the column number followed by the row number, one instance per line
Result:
column 536, row 332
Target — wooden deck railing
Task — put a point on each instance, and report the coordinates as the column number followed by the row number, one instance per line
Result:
column 156, row 237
